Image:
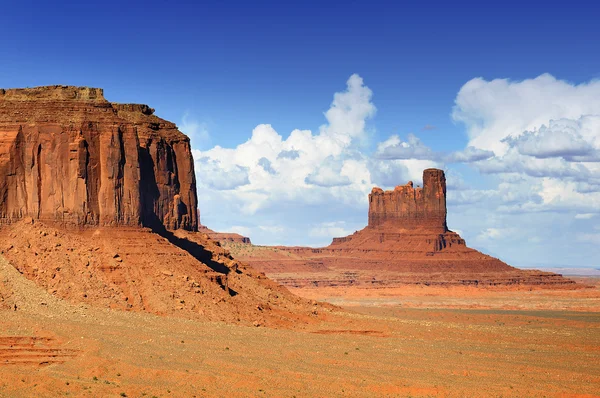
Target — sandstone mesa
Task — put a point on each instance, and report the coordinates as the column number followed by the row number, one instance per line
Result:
column 98, row 205
column 68, row 155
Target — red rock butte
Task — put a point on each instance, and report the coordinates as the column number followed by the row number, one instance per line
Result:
column 407, row 241
column 69, row 155
column 409, row 221
column 409, row 207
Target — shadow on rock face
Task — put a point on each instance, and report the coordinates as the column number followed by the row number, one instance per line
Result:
column 193, row 248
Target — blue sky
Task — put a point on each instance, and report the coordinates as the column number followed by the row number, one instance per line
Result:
column 222, row 70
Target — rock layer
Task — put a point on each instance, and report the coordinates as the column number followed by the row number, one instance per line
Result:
column 409, row 207
column 68, row 155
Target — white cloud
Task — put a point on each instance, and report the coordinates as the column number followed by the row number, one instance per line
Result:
column 573, row 140
column 412, row 148
column 545, row 135
column 545, row 129
column 494, row 110
column 490, row 233
column 536, row 153
column 238, row 229
column 468, row 155
column 496, row 234
column 198, row 132
column 216, row 175
column 564, row 194
column 585, row 216
column 328, row 174
column 471, row 196
column 330, row 230
column 349, row 112
column 304, row 167
column 272, row 229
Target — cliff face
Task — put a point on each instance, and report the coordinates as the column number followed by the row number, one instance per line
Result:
column 68, row 155
column 407, row 207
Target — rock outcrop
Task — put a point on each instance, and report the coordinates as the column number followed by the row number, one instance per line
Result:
column 407, row 241
column 68, row 155
column 79, row 179
column 409, row 207
column 224, row 236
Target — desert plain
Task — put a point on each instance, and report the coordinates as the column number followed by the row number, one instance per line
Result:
column 425, row 342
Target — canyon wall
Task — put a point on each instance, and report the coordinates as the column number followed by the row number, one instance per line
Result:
column 68, row 155
column 407, row 207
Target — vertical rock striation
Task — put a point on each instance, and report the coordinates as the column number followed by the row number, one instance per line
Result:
column 410, row 208
column 68, row 155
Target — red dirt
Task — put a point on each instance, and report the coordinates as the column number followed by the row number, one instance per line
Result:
column 183, row 274
column 374, row 351
column 32, row 351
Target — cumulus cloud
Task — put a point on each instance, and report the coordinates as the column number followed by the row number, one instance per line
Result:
column 330, row 230
column 412, row 148
column 494, row 110
column 307, row 167
column 198, row 132
column 573, row 140
column 544, row 129
column 468, row 155
column 471, row 196
column 545, row 137
column 328, row 174
column 216, row 175
column 389, row 173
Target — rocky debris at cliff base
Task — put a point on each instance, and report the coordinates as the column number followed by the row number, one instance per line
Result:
column 181, row 274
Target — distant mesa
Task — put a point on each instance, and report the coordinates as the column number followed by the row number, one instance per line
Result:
column 224, row 236
column 407, row 241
